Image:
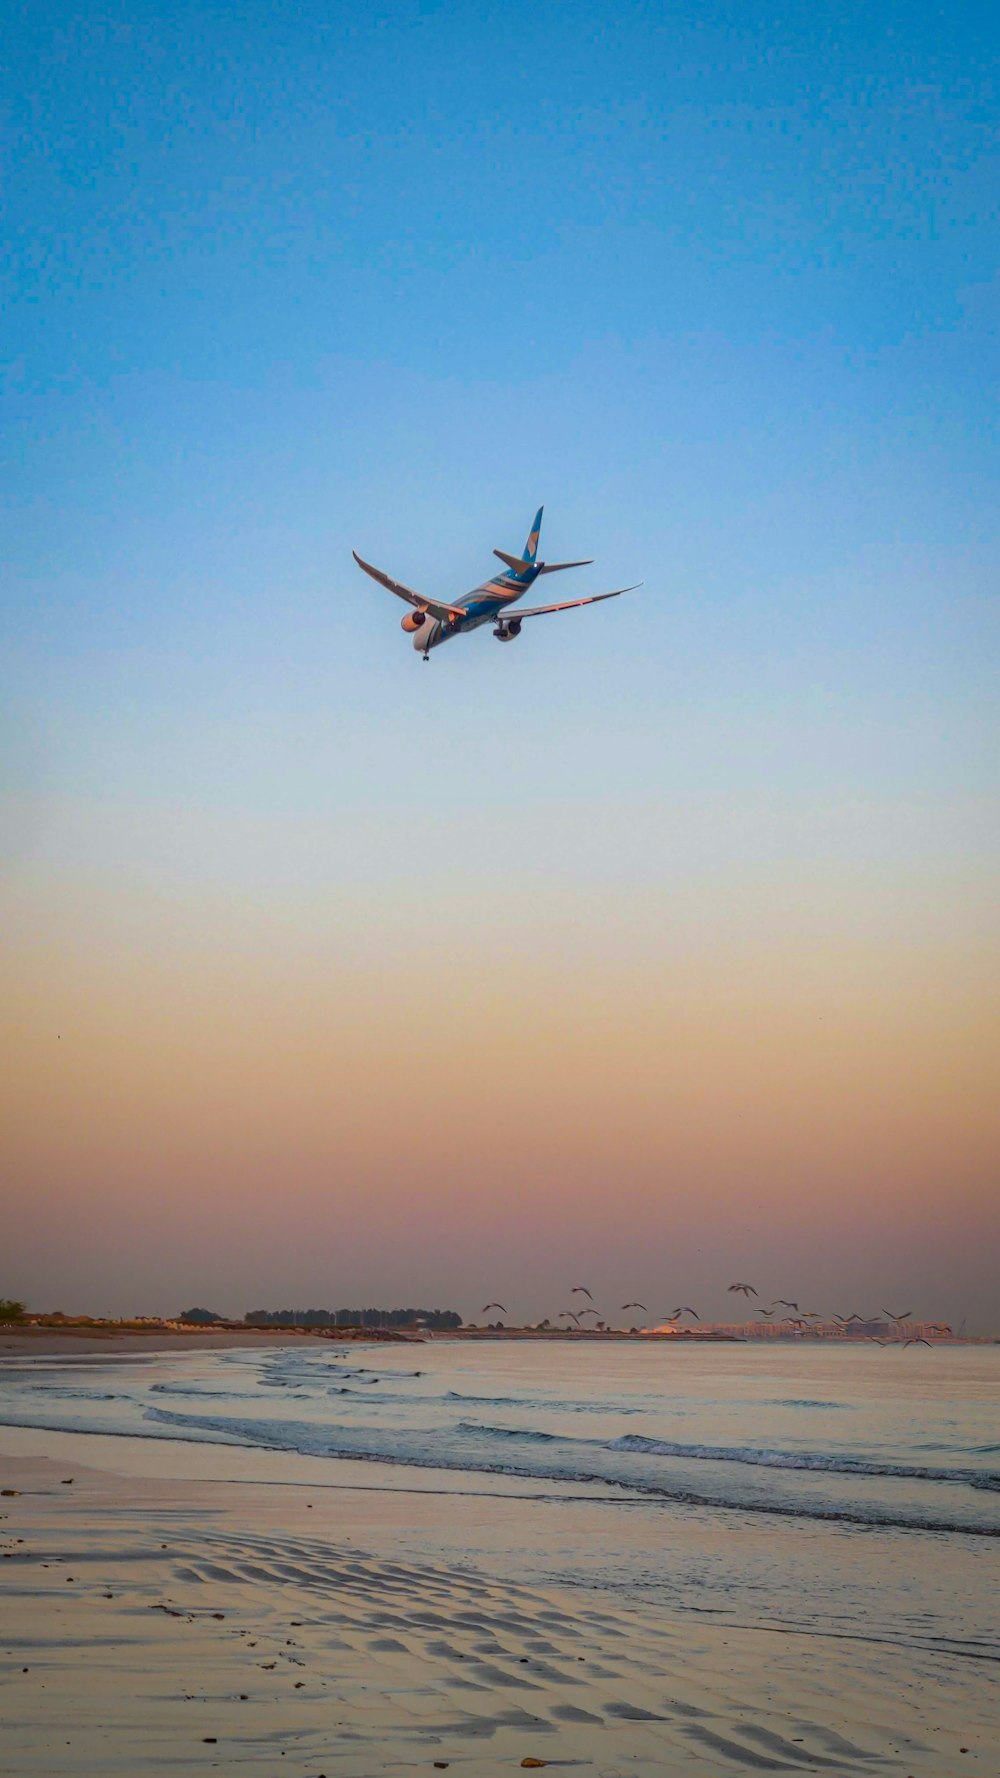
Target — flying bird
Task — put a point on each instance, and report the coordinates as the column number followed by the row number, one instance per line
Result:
column 940, row 1327
column 784, row 1304
column 904, row 1317
column 641, row 1306
column 916, row 1342
column 876, row 1341
column 489, row 1306
column 685, row 1309
column 571, row 1313
column 747, row 1289
column 584, row 1312
column 579, row 1290
column 767, row 1312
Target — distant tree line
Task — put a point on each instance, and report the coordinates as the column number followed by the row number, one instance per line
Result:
column 433, row 1318
column 11, row 1309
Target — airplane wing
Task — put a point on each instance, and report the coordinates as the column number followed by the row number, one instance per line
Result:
column 515, row 612
column 436, row 607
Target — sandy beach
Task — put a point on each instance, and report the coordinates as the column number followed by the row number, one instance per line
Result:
column 49, row 1342
column 166, row 1606
column 149, row 1625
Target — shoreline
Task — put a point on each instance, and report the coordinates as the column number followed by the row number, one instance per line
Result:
column 49, row 1342
column 30, row 1338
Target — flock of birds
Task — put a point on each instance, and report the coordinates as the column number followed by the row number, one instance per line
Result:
column 801, row 1319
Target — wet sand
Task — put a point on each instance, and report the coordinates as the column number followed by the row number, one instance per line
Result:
column 150, row 1625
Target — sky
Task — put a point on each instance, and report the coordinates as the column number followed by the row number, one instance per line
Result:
column 654, row 951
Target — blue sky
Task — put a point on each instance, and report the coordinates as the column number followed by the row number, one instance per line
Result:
column 720, row 288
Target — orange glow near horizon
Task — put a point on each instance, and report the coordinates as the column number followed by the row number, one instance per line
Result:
column 412, row 1108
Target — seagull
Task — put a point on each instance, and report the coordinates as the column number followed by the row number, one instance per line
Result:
column 747, row 1289
column 793, row 1320
column 940, row 1327
column 641, row 1306
column 579, row 1290
column 916, row 1342
column 685, row 1309
column 584, row 1312
column 767, row 1312
column 490, row 1306
column 904, row 1317
column 570, row 1312
column 845, row 1320
column 812, row 1315
column 875, row 1340
column 784, row 1304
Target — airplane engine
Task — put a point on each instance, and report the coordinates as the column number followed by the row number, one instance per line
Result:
column 414, row 620
column 506, row 632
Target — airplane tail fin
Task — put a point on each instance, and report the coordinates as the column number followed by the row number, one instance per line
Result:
column 530, row 550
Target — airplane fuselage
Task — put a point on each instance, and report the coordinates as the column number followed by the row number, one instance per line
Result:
column 483, row 605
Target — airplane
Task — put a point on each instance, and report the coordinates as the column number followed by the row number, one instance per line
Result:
column 432, row 621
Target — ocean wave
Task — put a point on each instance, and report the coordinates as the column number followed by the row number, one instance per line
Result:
column 804, row 1401
column 192, row 1390
column 53, row 1392
column 545, row 1406
column 818, row 1461
column 530, row 1435
column 559, row 1459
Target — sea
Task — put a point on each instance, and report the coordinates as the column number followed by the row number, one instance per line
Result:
column 829, row 1488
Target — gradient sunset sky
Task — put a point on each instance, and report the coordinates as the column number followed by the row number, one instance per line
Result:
column 654, row 951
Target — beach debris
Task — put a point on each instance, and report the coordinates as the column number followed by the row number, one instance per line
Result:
column 68, row 1480
column 533, row 1763
column 9, row 1493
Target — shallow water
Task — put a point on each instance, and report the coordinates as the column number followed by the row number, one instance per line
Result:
column 819, row 1488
